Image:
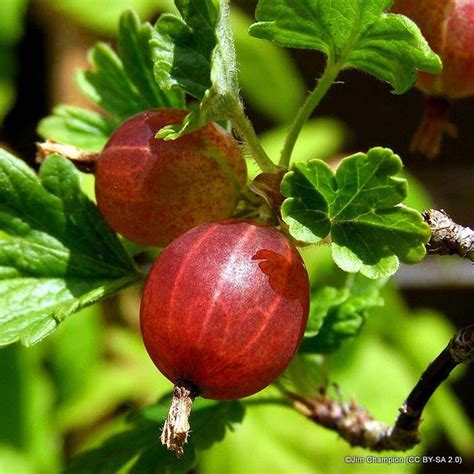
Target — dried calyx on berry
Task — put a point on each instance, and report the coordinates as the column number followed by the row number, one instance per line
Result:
column 448, row 26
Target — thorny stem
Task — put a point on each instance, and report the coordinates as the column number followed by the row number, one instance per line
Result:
column 245, row 130
column 176, row 428
column 355, row 424
column 325, row 82
column 447, row 237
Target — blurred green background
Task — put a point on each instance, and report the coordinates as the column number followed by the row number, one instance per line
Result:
column 71, row 391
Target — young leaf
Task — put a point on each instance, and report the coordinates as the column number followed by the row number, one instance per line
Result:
column 338, row 314
column 135, row 52
column 139, row 444
column 353, row 34
column 195, row 52
column 359, row 208
column 122, row 85
column 108, row 86
column 56, row 253
column 76, row 126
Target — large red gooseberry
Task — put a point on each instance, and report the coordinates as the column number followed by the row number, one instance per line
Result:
column 224, row 310
column 448, row 26
column 151, row 190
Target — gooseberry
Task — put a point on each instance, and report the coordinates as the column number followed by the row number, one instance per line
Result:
column 448, row 26
column 151, row 190
column 223, row 312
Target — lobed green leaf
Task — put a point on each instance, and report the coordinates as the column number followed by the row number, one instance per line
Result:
column 135, row 52
column 353, row 34
column 359, row 209
column 56, row 253
column 76, row 126
column 338, row 314
column 123, row 85
column 108, row 86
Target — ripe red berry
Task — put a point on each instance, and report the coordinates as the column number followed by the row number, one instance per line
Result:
column 448, row 26
column 224, row 310
column 151, row 191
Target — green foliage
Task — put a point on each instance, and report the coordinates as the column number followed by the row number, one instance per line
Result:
column 76, row 126
column 26, row 413
column 56, row 254
column 135, row 52
column 11, row 29
column 72, row 367
column 338, row 314
column 103, row 17
column 359, row 207
column 120, row 84
column 353, row 34
column 139, row 447
column 195, row 52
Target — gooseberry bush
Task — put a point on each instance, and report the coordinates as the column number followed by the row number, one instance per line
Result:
column 228, row 303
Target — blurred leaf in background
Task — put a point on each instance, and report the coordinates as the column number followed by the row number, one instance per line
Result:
column 28, row 439
column 270, row 81
column 103, row 17
column 11, row 30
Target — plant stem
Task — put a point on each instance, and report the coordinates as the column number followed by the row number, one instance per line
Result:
column 358, row 427
column 447, row 237
column 246, row 131
column 325, row 82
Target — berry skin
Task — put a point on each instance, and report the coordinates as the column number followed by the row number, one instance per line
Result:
column 151, row 191
column 448, row 26
column 225, row 307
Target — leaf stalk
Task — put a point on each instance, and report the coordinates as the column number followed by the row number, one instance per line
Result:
column 304, row 113
column 245, row 130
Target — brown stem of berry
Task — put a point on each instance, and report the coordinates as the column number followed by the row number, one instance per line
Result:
column 447, row 237
column 357, row 426
column 434, row 124
column 176, row 428
column 84, row 161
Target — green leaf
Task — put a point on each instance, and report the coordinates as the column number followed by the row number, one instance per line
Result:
column 56, row 253
column 338, row 314
column 135, row 52
column 27, row 410
column 321, row 303
column 76, row 126
column 12, row 21
column 102, row 18
column 71, row 374
column 353, row 34
column 122, row 85
column 195, row 52
column 108, row 86
column 139, row 446
column 359, row 208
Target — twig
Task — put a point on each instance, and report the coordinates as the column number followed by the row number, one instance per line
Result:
column 357, row 426
column 447, row 237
